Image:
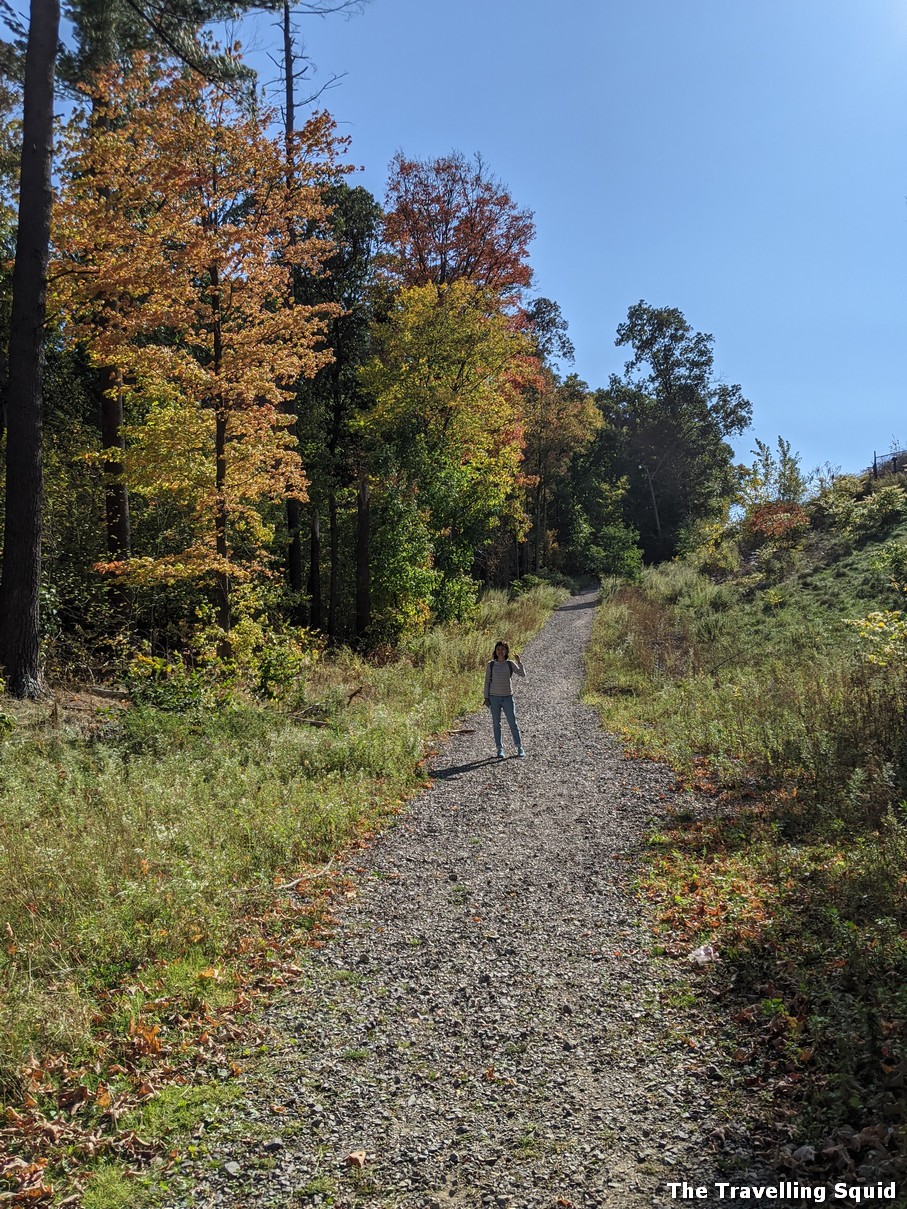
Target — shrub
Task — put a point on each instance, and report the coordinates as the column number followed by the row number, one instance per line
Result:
column 878, row 512
column 834, row 506
column 546, row 578
column 778, row 521
column 615, row 551
column 168, row 685
column 890, row 563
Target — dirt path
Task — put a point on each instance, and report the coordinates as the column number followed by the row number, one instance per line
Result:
column 487, row 1026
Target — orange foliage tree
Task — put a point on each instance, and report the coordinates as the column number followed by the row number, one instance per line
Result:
column 449, row 219
column 178, row 217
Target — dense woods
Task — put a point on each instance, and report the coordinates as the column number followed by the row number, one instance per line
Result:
column 289, row 411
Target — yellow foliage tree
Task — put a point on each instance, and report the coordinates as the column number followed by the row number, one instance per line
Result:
column 178, row 225
column 447, row 433
column 561, row 422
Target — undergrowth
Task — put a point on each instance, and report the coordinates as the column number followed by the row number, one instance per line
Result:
column 757, row 691
column 142, row 851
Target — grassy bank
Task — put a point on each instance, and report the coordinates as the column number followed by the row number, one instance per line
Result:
column 758, row 691
column 141, row 851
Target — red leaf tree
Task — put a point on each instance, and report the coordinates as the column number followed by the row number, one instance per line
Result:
column 449, row 220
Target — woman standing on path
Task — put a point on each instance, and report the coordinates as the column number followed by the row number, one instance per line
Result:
column 499, row 694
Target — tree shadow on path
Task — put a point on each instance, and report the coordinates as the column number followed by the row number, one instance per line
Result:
column 590, row 603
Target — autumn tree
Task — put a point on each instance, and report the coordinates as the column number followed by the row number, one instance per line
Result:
column 182, row 212
column 457, row 248
column 561, row 421
column 449, row 219
column 446, row 434
column 108, row 32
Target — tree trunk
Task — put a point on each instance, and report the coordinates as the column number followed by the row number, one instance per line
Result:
column 363, row 578
column 222, row 576
column 294, row 549
column 654, row 505
column 294, row 507
column 315, row 611
column 21, row 568
column 334, row 582
column 110, row 389
column 537, row 524
column 116, row 494
column 220, row 530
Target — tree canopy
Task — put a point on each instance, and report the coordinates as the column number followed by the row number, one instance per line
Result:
column 670, row 417
column 282, row 404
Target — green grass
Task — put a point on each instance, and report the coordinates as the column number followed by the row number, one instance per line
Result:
column 755, row 690
column 111, row 1188
column 175, row 1111
column 139, row 852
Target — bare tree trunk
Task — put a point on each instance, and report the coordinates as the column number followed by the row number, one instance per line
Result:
column 222, row 576
column 654, row 504
column 294, row 550
column 537, row 524
column 21, row 569
column 110, row 390
column 116, row 494
column 220, row 529
column 334, row 582
column 363, row 577
column 315, row 611
column 294, row 507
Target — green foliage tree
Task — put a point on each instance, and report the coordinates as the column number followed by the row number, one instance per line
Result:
column 671, row 418
column 772, row 478
column 327, row 405
column 445, row 430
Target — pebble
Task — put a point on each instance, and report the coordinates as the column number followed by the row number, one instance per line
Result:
column 487, row 1023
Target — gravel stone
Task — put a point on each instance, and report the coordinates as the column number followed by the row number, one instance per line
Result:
column 488, row 1023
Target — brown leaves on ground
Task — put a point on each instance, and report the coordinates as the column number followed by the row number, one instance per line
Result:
column 728, row 878
column 69, row 1113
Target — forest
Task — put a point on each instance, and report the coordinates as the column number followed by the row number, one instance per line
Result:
column 255, row 408
column 281, row 459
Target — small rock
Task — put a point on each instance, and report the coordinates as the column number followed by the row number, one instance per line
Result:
column 804, row 1154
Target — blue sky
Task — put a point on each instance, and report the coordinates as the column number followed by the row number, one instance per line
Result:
column 743, row 160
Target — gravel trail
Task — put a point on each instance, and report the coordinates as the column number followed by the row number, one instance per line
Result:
column 488, row 1026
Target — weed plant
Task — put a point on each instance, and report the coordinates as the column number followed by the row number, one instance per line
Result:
column 756, row 691
column 135, row 851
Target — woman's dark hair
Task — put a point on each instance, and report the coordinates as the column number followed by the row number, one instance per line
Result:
column 505, row 645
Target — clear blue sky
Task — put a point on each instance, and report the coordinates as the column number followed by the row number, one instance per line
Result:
column 743, row 160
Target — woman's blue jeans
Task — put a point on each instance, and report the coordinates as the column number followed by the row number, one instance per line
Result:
column 506, row 704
